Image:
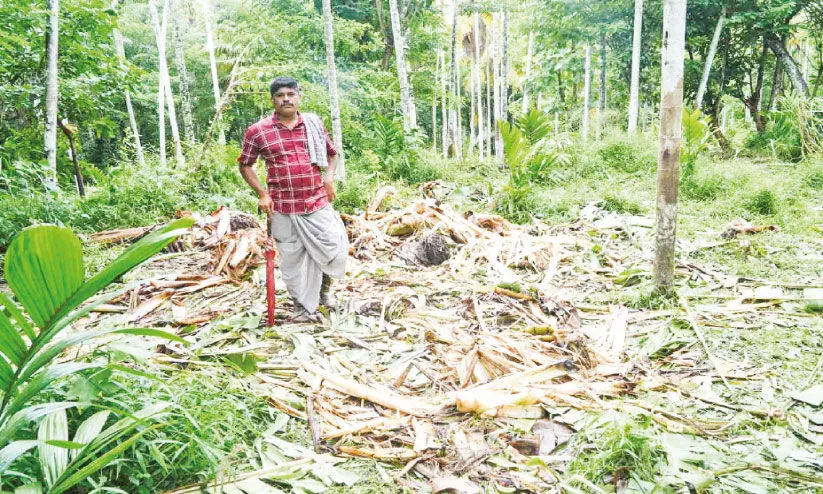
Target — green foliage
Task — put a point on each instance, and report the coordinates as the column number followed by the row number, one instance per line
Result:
column 696, row 140
column 44, row 269
column 531, row 156
column 516, row 204
column 763, row 202
column 625, row 449
column 625, row 157
column 619, row 204
column 814, row 179
column 211, row 424
column 703, row 188
column 398, row 153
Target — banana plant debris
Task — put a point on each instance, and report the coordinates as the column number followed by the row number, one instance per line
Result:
column 460, row 355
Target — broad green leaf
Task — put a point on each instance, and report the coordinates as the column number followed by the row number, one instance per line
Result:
column 244, row 362
column 14, row 450
column 89, row 430
column 32, row 488
column 53, row 459
column 17, row 316
column 11, row 343
column 8, row 428
column 6, row 373
column 44, row 267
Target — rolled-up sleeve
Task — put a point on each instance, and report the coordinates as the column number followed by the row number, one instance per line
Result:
column 250, row 150
column 330, row 149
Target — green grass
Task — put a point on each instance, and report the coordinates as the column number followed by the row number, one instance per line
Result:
column 619, row 448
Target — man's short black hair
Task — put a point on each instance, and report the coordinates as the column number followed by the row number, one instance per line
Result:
column 281, row 82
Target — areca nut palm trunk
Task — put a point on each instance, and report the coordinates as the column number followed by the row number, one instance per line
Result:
column 497, row 44
column 434, row 102
column 481, row 142
column 634, row 90
column 406, row 101
column 504, row 77
column 215, row 81
column 135, row 130
column 50, row 133
column 182, row 72
column 529, row 53
column 334, row 103
column 453, row 116
column 584, row 126
column 707, row 68
column 671, row 132
column 165, row 80
column 601, row 102
column 489, row 109
column 444, row 114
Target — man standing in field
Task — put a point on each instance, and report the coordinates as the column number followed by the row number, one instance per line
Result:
column 301, row 161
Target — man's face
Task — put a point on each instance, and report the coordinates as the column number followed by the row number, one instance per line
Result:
column 286, row 101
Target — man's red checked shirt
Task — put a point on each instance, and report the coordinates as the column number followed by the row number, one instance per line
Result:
column 295, row 184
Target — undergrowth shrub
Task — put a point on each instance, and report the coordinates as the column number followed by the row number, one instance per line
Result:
column 624, row 157
column 625, row 449
column 700, row 188
column 619, row 204
column 399, row 154
column 214, row 426
column 516, row 204
column 814, row 179
column 763, row 202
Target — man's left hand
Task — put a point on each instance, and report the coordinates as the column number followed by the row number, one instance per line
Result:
column 329, row 184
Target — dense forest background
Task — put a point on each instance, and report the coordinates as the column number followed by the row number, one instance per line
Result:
column 517, row 56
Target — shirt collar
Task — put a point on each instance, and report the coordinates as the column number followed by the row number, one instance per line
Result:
column 275, row 120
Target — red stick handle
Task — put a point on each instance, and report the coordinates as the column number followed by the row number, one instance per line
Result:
column 269, row 254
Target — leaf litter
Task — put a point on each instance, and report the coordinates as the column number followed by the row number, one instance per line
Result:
column 479, row 370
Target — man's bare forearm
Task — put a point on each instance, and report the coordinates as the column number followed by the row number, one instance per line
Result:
column 250, row 176
column 333, row 161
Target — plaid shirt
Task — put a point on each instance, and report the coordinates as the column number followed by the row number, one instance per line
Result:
column 295, row 184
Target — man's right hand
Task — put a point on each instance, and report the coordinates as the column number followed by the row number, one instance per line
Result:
column 266, row 204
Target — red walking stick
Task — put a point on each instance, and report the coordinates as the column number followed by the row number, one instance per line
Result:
column 269, row 254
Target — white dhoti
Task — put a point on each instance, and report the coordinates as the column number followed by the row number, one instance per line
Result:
column 310, row 245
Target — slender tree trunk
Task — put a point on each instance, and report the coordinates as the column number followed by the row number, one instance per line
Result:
column 778, row 46
column 601, row 103
column 556, row 124
column 406, row 101
column 50, row 134
column 671, row 108
column 472, row 109
column 215, row 82
column 135, row 130
column 498, row 86
column 634, row 91
column 337, row 129
column 489, row 110
column 434, row 102
column 525, row 106
column 453, row 115
column 458, row 110
column 165, row 80
column 444, row 111
column 481, row 140
column 584, row 126
column 707, row 68
column 504, row 78
column 806, row 61
column 755, row 101
column 182, row 72
column 777, row 83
